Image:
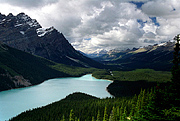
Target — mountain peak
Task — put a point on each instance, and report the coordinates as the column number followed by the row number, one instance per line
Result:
column 22, row 19
column 18, row 21
column 10, row 15
column 23, row 16
column 26, row 34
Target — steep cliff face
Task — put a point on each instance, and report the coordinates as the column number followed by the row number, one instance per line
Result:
column 26, row 34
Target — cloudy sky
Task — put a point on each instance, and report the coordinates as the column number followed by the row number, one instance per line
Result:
column 91, row 25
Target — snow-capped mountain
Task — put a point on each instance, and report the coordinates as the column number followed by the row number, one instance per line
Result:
column 158, row 56
column 27, row 34
column 97, row 53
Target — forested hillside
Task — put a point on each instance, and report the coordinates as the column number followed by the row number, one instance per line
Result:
column 129, row 83
column 21, row 69
column 82, row 107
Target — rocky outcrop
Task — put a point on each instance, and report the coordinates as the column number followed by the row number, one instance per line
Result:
column 20, row 81
column 10, row 82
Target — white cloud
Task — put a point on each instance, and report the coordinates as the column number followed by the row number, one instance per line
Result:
column 114, row 25
column 167, row 13
column 164, row 8
column 90, row 24
column 167, row 28
column 28, row 3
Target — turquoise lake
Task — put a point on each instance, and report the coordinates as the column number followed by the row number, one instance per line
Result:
column 13, row 102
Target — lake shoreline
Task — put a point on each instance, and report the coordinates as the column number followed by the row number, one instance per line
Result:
column 40, row 82
column 16, row 101
column 102, row 79
column 55, row 78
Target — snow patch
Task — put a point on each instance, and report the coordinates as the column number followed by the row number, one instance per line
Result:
column 18, row 25
column 162, row 44
column 9, row 20
column 2, row 21
column 33, row 23
column 22, row 32
column 77, row 61
column 23, row 19
column 42, row 31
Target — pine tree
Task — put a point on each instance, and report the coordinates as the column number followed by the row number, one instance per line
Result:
column 118, row 112
column 71, row 115
column 143, row 98
column 121, row 113
column 124, row 116
column 105, row 118
column 138, row 105
column 63, row 118
column 93, row 118
column 98, row 116
column 133, row 105
column 176, row 67
column 174, row 89
column 113, row 116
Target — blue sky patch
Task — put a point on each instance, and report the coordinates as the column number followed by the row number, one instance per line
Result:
column 138, row 4
column 87, row 38
column 140, row 21
column 154, row 20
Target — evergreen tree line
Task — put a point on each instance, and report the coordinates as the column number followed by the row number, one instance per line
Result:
column 77, row 108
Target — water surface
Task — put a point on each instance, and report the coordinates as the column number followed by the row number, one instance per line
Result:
column 13, row 102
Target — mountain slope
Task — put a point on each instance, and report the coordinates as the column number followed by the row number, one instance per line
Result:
column 158, row 57
column 21, row 69
column 26, row 34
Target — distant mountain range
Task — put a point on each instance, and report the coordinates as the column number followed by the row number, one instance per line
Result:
column 97, row 53
column 26, row 34
column 158, row 57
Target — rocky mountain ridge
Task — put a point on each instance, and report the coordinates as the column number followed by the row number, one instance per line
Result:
column 26, row 34
column 144, row 57
column 97, row 53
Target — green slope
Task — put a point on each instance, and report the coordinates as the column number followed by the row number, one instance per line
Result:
column 15, row 64
column 83, row 107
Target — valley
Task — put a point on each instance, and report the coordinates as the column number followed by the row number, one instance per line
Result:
column 158, row 57
column 144, row 81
